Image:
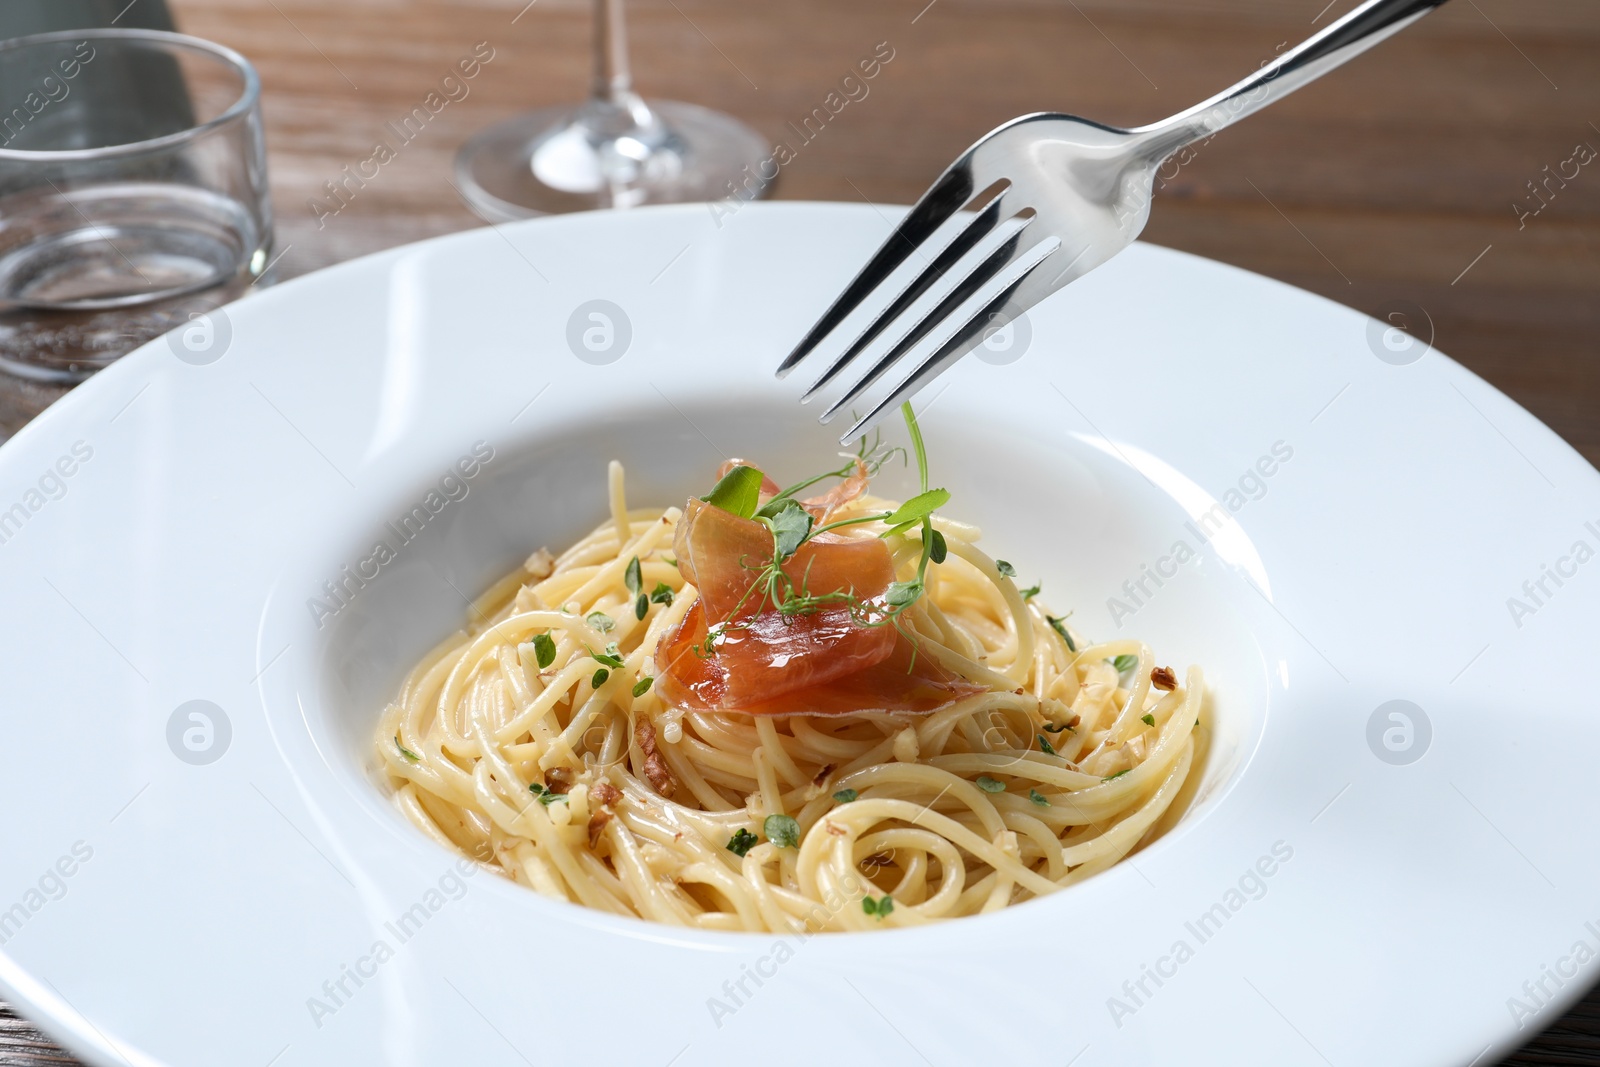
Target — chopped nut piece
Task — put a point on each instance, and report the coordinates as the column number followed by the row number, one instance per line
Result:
column 604, row 792
column 539, row 565
column 559, row 779
column 1163, row 678
column 655, row 767
column 597, row 823
column 822, row 775
column 906, row 749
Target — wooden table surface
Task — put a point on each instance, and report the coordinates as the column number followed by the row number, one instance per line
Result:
column 1398, row 178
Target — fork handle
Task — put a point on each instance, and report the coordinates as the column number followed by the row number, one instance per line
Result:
column 1343, row 40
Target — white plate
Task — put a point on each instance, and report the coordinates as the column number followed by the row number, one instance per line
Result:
column 207, row 904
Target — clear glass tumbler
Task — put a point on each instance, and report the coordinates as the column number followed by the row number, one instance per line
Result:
column 133, row 193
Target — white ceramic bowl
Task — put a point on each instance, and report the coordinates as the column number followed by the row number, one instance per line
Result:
column 1332, row 526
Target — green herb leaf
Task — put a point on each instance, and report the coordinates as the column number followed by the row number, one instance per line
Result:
column 738, row 491
column 989, row 785
column 1038, row 798
column 1045, row 746
column 544, row 650
column 790, row 527
column 609, row 658
column 742, row 841
column 845, row 796
column 641, row 606
column 937, row 549
column 1005, row 568
column 599, row 678
column 919, row 507
column 600, row 621
column 632, row 577
column 1119, row 774
column 414, row 758
column 903, row 527
column 1057, row 624
column 642, row 686
column 1056, row 728
column 1030, row 592
column 661, row 594
column 546, row 796
column 880, row 908
column 1148, row 719
column 902, row 594
column 782, row 830
column 1125, row 662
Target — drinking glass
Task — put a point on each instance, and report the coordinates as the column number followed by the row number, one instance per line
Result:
column 133, row 193
column 614, row 150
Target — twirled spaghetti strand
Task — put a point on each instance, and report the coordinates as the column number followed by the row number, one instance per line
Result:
column 575, row 778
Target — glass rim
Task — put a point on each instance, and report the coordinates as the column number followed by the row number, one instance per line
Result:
column 249, row 95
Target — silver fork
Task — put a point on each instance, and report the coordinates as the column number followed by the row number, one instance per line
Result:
column 1062, row 195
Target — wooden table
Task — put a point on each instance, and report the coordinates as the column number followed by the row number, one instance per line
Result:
column 1398, row 178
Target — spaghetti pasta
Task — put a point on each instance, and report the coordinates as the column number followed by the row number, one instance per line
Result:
column 563, row 768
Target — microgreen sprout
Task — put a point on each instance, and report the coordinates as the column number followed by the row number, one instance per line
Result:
column 792, row 526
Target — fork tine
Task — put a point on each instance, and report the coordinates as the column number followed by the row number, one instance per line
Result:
column 980, row 276
column 947, row 258
column 963, row 341
column 943, row 199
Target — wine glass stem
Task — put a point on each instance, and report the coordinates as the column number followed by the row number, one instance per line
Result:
column 613, row 82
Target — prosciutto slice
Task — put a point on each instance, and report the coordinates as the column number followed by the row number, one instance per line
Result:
column 727, row 680
column 722, row 555
column 824, row 505
column 765, row 662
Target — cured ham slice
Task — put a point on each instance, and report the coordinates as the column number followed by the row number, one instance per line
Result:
column 844, row 493
column 722, row 554
column 767, row 662
column 901, row 681
column 760, row 651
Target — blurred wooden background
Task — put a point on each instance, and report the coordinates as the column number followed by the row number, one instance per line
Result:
column 1396, row 178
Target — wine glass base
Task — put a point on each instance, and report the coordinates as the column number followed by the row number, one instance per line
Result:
column 548, row 161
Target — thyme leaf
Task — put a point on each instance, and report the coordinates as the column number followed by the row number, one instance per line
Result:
column 1059, row 626
column 544, row 650
column 742, row 841
column 782, row 830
